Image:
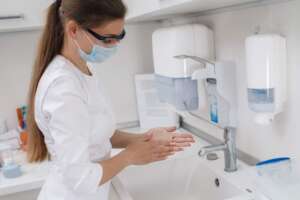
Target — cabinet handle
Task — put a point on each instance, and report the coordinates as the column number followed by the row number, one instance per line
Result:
column 7, row 17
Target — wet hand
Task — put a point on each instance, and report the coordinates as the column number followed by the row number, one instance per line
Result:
column 169, row 134
column 147, row 151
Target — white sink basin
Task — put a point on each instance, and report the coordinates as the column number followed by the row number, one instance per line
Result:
column 177, row 179
column 184, row 176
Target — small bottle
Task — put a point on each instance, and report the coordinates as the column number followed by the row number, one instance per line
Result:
column 213, row 99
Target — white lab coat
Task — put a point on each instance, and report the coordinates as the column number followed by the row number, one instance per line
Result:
column 77, row 123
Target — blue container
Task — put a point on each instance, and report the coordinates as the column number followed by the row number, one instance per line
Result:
column 11, row 171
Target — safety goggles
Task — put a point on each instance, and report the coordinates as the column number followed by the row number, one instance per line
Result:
column 109, row 38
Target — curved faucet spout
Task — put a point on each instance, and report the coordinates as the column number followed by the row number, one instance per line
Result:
column 228, row 147
column 213, row 148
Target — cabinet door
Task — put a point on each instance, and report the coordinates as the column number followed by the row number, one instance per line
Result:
column 22, row 14
column 147, row 10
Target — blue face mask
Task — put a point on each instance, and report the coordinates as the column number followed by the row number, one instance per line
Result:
column 98, row 54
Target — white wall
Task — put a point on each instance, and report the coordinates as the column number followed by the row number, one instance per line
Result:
column 117, row 74
column 231, row 29
column 17, row 52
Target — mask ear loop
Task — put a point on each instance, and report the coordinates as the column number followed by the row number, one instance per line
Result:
column 77, row 44
column 88, row 38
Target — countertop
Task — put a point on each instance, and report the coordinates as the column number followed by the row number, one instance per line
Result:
column 33, row 177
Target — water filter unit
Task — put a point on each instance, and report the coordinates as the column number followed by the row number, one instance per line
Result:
column 266, row 75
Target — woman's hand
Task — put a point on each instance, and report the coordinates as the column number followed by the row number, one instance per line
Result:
column 178, row 140
column 148, row 150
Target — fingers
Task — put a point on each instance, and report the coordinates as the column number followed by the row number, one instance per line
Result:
column 163, row 149
column 148, row 136
column 183, row 140
column 167, row 149
column 178, row 142
column 162, row 156
column 177, row 149
column 164, row 142
column 160, row 159
column 183, row 137
column 159, row 155
column 186, row 135
column 170, row 129
column 183, row 145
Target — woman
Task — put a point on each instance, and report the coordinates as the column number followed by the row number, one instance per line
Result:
column 70, row 121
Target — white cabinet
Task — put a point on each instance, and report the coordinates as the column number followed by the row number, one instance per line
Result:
column 139, row 10
column 140, row 7
column 22, row 14
column 146, row 10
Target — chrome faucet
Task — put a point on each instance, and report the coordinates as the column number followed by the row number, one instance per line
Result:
column 228, row 147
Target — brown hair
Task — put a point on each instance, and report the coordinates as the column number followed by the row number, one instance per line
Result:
column 88, row 14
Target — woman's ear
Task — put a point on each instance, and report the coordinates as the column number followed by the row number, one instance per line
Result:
column 71, row 29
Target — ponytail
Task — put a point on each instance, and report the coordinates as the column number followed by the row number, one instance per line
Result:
column 51, row 44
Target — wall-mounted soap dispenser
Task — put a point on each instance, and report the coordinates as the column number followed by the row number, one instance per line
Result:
column 174, row 76
column 185, row 69
column 266, row 75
